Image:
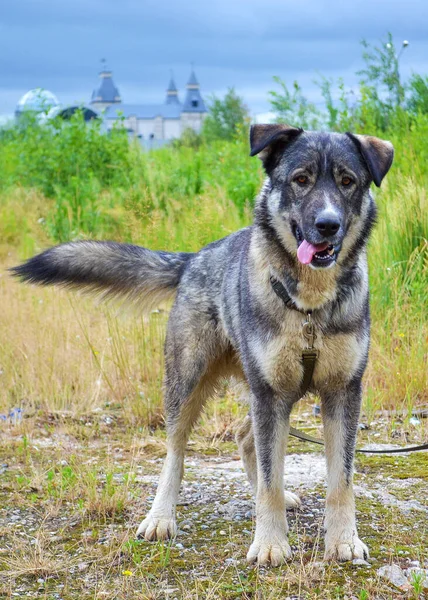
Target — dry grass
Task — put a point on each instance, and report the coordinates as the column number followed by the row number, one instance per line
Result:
column 34, row 559
column 63, row 353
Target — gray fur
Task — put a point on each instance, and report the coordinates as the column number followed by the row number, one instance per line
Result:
column 227, row 320
column 110, row 269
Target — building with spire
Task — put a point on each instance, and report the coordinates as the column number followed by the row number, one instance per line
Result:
column 193, row 110
column 152, row 124
column 106, row 94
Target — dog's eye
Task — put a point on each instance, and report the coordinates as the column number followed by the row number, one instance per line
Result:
column 346, row 181
column 302, row 179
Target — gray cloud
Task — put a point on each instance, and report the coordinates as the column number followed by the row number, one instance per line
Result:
column 241, row 43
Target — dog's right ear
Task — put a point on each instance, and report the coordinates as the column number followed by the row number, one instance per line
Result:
column 264, row 139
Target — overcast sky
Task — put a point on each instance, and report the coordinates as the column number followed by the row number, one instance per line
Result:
column 58, row 44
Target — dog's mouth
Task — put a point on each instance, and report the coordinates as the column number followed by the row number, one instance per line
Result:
column 317, row 255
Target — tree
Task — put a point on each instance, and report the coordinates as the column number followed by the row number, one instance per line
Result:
column 226, row 117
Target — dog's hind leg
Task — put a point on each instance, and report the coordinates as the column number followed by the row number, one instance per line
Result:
column 247, row 450
column 189, row 381
column 340, row 411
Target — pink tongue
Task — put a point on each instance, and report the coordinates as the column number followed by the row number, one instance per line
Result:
column 306, row 251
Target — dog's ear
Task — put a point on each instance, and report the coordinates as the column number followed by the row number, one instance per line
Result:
column 378, row 155
column 266, row 138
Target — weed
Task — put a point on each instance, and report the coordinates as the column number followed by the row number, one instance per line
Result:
column 417, row 582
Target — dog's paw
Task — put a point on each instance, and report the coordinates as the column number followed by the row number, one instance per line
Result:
column 157, row 528
column 292, row 500
column 346, row 550
column 269, row 553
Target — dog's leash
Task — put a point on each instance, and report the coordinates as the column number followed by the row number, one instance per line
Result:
column 308, row 438
column 309, row 357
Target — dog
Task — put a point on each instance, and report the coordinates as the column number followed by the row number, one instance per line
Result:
column 241, row 305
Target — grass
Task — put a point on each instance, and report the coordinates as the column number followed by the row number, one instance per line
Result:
column 71, row 503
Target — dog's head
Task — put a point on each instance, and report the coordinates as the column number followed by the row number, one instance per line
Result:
column 319, row 199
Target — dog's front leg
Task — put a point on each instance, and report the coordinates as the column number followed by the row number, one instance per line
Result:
column 271, row 424
column 341, row 410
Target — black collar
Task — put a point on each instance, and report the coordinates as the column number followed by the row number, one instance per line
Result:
column 282, row 293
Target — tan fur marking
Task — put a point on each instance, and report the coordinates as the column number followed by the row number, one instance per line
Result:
column 341, row 539
column 339, row 358
column 316, row 286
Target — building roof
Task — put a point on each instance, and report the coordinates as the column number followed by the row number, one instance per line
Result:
column 106, row 91
column 192, row 79
column 193, row 102
column 144, row 111
column 172, row 93
column 172, row 87
column 37, row 100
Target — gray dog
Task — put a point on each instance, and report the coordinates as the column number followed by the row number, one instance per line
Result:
column 250, row 305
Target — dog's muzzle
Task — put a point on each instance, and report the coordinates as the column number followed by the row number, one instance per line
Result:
column 317, row 255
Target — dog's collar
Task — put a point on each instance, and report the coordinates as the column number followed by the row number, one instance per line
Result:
column 309, row 354
column 282, row 293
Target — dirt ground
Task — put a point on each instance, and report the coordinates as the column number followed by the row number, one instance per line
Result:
column 74, row 490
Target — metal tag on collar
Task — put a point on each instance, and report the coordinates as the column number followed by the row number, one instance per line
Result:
column 309, row 331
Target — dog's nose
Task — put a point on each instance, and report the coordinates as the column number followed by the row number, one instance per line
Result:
column 327, row 226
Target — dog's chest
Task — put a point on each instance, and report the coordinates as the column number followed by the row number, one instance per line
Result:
column 279, row 356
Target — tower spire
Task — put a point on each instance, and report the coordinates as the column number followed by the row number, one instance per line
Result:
column 172, row 92
column 193, row 102
column 106, row 93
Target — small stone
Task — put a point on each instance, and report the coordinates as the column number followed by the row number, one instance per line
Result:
column 394, row 575
column 222, row 532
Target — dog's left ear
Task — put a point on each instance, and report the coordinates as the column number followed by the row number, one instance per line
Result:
column 263, row 138
column 378, row 155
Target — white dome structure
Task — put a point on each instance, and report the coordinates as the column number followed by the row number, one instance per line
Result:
column 37, row 101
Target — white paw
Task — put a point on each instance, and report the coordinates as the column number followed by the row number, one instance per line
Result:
column 343, row 549
column 157, row 528
column 292, row 500
column 273, row 553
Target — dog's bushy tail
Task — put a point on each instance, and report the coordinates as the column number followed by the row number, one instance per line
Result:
column 110, row 269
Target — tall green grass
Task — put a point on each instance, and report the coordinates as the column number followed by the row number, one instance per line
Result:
column 96, row 184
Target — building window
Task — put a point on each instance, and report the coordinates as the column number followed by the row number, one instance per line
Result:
column 194, row 103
